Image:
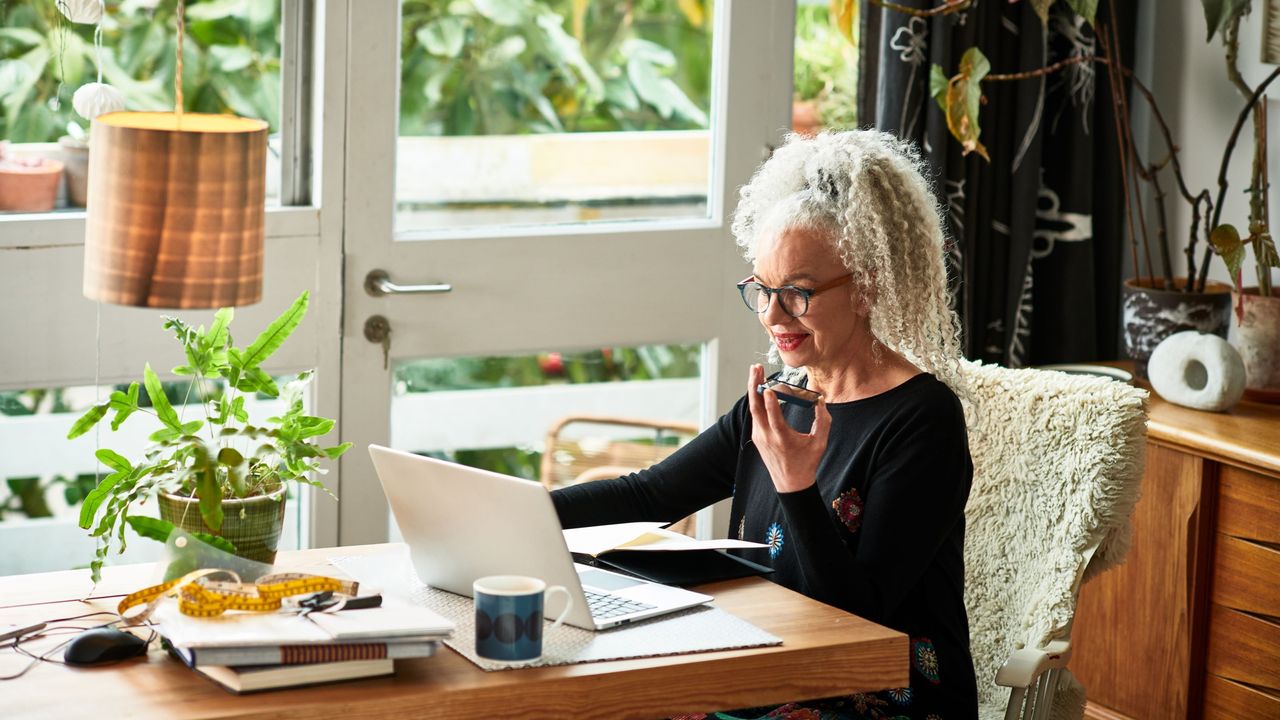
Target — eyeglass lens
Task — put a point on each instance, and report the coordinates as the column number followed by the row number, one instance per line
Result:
column 757, row 298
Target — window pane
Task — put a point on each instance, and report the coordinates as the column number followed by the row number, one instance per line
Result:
column 826, row 71
column 495, row 413
column 231, row 61
column 553, row 112
column 46, row 477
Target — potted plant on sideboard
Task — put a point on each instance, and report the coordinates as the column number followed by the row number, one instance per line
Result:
column 223, row 478
column 1157, row 303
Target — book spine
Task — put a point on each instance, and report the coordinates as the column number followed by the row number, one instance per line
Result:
column 308, row 654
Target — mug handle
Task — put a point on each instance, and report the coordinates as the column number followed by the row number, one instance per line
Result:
column 567, row 606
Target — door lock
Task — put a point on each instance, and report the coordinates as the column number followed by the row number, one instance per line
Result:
column 377, row 329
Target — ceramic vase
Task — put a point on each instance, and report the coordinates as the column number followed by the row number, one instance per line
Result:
column 1152, row 313
column 1258, row 340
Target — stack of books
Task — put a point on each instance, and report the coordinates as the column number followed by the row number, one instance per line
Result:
column 247, row 652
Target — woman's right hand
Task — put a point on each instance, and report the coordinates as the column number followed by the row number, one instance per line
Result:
column 791, row 457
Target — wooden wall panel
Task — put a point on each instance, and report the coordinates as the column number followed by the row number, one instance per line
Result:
column 1132, row 638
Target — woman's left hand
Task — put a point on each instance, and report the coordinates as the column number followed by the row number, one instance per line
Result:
column 791, row 457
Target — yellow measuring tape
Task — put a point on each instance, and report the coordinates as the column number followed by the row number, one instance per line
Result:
column 199, row 595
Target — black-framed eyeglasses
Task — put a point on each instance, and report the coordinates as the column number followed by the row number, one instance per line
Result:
column 794, row 300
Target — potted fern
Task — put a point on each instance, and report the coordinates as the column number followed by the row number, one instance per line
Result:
column 224, row 477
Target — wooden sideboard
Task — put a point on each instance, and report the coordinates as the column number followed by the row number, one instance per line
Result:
column 1189, row 625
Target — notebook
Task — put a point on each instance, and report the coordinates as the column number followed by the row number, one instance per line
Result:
column 462, row 524
column 253, row 679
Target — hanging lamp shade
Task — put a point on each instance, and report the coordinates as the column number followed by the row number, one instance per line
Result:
column 176, row 206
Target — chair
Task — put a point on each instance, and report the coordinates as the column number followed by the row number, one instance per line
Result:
column 1057, row 468
column 617, row 446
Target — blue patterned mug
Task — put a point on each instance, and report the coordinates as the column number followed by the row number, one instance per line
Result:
column 509, row 616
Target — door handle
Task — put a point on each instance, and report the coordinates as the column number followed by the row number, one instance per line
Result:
column 378, row 283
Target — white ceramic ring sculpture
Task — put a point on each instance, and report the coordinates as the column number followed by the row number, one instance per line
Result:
column 1197, row 370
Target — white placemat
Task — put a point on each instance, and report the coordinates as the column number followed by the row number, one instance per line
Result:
column 701, row 629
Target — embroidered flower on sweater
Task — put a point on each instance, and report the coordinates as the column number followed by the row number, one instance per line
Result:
column 742, row 527
column 867, row 703
column 773, row 538
column 900, row 696
column 848, row 507
column 925, row 659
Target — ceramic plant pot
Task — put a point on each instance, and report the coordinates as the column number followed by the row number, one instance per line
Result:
column 29, row 185
column 1151, row 313
column 252, row 524
column 1258, row 340
column 75, row 158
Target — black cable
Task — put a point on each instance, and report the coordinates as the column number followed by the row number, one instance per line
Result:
column 47, row 631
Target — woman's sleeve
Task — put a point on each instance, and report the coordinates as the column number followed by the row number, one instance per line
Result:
column 915, row 497
column 691, row 478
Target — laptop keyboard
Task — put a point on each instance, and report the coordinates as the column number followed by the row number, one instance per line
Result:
column 605, row 606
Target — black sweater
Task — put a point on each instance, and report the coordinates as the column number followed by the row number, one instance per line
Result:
column 880, row 534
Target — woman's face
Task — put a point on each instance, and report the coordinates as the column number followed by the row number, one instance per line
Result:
column 830, row 331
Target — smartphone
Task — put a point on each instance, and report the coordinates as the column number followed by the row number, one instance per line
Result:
column 787, row 392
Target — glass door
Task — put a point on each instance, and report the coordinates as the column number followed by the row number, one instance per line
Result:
column 537, row 198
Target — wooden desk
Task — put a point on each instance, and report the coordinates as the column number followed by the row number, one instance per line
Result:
column 825, row 652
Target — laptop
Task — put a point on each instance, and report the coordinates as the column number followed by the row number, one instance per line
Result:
column 462, row 524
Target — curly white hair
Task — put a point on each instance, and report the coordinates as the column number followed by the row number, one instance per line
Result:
column 866, row 191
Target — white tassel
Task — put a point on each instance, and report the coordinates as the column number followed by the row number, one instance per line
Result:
column 94, row 99
column 88, row 12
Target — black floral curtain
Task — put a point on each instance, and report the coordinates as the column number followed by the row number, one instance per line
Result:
column 1037, row 233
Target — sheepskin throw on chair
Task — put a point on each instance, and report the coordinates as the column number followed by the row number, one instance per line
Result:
column 1057, row 468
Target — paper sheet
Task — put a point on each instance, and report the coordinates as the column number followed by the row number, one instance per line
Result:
column 641, row 536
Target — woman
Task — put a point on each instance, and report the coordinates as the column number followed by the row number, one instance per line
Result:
column 860, row 498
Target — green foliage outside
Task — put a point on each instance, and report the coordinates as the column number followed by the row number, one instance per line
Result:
column 469, row 67
column 231, row 62
column 826, row 68
column 512, row 67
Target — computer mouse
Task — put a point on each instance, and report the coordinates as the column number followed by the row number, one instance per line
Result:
column 103, row 644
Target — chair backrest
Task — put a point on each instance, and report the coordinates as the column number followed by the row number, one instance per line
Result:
column 1057, row 468
column 582, row 448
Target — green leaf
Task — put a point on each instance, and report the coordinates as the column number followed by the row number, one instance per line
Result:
column 230, row 456
column 192, row 427
column 96, row 497
column 313, row 426
column 114, row 460
column 230, row 58
column 210, row 494
column 221, row 543
column 443, row 36
column 276, row 333
column 218, row 335
column 87, row 421
column 1087, row 9
column 508, row 13
column 165, row 435
column 963, row 99
column 938, row 85
column 1218, row 14
column 1042, row 9
column 159, row 401
column 151, row 528
column 1226, row 242
column 336, row 451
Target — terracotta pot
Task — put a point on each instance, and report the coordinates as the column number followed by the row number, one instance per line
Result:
column 252, row 524
column 29, row 187
column 1258, row 340
column 804, row 118
column 1151, row 313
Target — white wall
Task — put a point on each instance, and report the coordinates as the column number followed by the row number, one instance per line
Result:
column 1189, row 80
